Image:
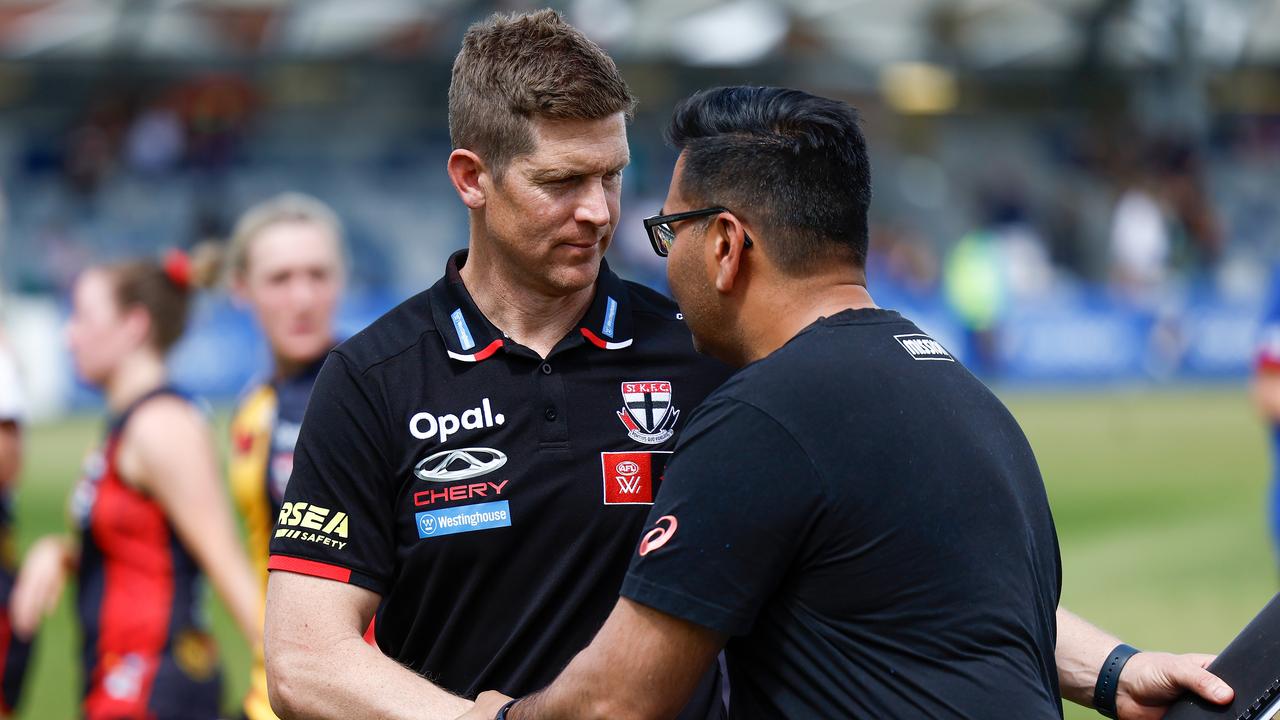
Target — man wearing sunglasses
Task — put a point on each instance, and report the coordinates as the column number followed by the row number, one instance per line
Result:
column 853, row 517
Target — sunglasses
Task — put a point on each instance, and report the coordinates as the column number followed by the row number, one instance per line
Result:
column 662, row 236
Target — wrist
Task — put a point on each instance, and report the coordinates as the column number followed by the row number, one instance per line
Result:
column 506, row 708
column 1104, row 690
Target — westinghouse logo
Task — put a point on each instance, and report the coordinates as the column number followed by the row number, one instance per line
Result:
column 923, row 347
column 468, row 518
column 314, row 524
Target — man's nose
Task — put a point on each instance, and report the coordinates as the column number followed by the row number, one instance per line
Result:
column 593, row 204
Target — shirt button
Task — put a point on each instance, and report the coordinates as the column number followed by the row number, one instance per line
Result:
column 550, row 414
column 546, row 368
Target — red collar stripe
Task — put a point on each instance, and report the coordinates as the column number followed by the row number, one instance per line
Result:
column 602, row 343
column 477, row 357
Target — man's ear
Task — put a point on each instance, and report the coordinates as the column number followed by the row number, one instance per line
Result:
column 727, row 244
column 468, row 174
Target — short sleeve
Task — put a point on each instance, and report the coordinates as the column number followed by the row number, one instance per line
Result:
column 13, row 404
column 736, row 508
column 336, row 521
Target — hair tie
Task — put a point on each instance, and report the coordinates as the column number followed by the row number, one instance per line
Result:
column 177, row 266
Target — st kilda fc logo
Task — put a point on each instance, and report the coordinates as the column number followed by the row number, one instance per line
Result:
column 647, row 411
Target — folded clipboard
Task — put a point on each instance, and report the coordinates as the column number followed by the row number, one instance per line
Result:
column 1251, row 666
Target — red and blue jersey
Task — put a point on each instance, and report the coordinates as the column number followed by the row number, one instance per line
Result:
column 1267, row 362
column 1267, row 357
column 147, row 653
column 14, row 651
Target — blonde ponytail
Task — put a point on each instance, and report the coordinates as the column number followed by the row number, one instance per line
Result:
column 208, row 261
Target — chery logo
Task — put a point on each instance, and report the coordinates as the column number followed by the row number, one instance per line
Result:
column 460, row 464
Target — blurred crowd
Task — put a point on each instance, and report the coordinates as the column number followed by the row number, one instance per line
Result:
column 977, row 216
column 133, row 169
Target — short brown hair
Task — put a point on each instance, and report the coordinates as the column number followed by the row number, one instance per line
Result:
column 512, row 68
column 166, row 298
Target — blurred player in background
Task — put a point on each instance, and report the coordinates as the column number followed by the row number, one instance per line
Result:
column 1266, row 391
column 285, row 261
column 149, row 511
column 14, row 650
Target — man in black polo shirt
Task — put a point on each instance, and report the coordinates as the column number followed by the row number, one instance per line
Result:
column 476, row 465
column 853, row 516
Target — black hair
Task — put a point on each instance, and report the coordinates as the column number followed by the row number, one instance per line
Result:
column 791, row 162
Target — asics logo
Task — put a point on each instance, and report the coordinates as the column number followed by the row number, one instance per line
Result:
column 660, row 535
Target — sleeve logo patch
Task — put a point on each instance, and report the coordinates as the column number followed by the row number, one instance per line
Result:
column 632, row 478
column 312, row 523
column 660, row 535
column 923, row 347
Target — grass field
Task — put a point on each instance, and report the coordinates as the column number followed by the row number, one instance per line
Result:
column 1159, row 499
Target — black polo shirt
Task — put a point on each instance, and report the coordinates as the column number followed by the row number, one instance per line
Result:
column 491, row 497
column 868, row 524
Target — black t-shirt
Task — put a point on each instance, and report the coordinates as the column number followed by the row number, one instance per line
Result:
column 491, row 497
column 868, row 523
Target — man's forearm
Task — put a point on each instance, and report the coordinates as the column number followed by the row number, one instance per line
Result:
column 580, row 693
column 349, row 679
column 1081, row 651
column 664, row 657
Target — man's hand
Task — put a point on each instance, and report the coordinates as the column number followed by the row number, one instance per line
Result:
column 487, row 705
column 1151, row 681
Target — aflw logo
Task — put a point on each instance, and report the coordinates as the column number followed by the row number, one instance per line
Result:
column 629, row 482
column 923, row 347
column 632, row 478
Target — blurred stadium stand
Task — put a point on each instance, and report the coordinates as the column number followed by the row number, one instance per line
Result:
column 1067, row 191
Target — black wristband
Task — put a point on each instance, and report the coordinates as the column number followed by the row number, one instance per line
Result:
column 502, row 711
column 1104, row 692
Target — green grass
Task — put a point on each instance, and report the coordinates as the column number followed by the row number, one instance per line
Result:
column 1160, row 503
column 1159, row 499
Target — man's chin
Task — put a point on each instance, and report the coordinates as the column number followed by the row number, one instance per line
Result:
column 579, row 253
column 705, row 346
column 577, row 275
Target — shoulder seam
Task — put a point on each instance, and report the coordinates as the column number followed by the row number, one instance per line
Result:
column 813, row 468
column 392, row 356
